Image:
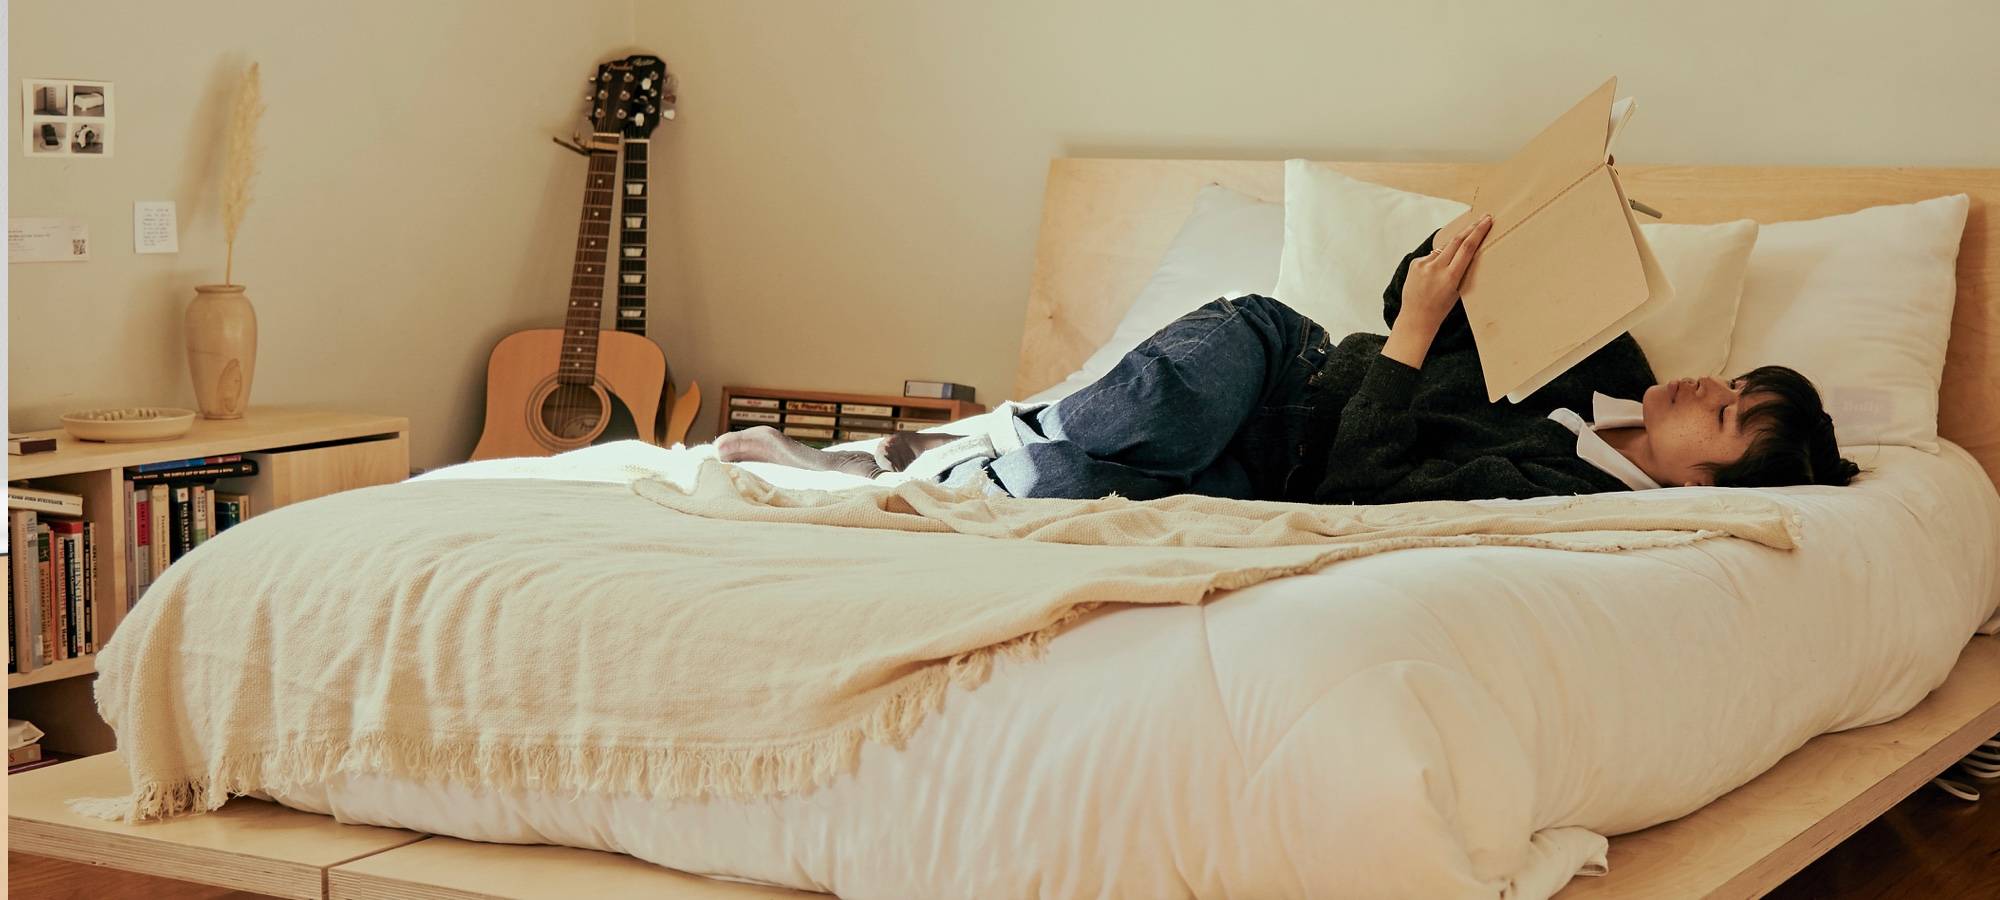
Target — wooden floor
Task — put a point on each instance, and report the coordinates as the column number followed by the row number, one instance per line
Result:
column 1930, row 845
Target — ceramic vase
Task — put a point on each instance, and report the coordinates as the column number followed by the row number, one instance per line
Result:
column 222, row 349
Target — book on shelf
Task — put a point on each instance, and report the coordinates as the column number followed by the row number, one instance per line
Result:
column 198, row 514
column 754, row 402
column 805, row 431
column 755, row 416
column 804, row 419
column 39, row 500
column 197, row 462
column 162, row 530
column 938, row 390
column 867, row 409
column 24, row 598
column 22, row 444
column 811, row 406
column 21, row 755
column 851, row 434
column 204, row 471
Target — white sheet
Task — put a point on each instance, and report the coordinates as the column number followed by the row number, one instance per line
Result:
column 1459, row 722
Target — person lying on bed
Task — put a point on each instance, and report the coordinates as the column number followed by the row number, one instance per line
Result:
column 1247, row 398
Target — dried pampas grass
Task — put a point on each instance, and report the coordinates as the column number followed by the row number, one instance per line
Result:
column 241, row 165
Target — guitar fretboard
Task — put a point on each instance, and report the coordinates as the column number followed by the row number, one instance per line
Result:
column 632, row 240
column 586, row 280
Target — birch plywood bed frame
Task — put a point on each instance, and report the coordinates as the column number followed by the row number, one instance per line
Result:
column 1107, row 222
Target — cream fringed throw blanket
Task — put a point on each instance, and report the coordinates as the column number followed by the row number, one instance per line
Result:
column 678, row 643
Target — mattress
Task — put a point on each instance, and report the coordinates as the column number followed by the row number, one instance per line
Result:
column 1448, row 722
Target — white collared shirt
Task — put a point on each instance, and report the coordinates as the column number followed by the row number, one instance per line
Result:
column 1607, row 412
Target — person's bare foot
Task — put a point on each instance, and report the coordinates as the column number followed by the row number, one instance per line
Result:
column 766, row 444
column 903, row 446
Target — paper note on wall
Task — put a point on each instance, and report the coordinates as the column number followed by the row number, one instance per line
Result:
column 153, row 227
column 47, row 240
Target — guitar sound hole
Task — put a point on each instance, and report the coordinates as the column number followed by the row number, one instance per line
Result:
column 571, row 411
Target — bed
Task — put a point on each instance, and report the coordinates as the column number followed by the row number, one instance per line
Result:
column 1439, row 722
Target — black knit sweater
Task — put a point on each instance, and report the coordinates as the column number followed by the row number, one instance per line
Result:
column 1390, row 433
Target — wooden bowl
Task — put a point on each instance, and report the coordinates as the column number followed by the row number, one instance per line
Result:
column 129, row 424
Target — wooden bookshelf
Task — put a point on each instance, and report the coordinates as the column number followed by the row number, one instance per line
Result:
column 302, row 452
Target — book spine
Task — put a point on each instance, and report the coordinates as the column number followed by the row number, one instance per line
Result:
column 160, row 533
column 754, row 402
column 183, row 503
column 753, row 415
column 27, row 586
column 199, row 473
column 131, row 544
column 867, row 409
column 45, row 562
column 937, row 390
column 73, row 564
column 198, row 498
column 187, row 463
column 89, row 634
column 811, row 406
column 802, row 419
column 44, row 501
column 59, row 567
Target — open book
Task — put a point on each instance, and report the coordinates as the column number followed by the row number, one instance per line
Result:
column 1565, row 269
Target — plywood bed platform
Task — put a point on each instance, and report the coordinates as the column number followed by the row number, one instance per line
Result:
column 1742, row 845
column 1105, row 225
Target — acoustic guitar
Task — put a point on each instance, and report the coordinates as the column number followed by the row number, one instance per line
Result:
column 549, row 390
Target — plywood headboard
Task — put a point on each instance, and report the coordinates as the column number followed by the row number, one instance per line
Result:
column 1107, row 222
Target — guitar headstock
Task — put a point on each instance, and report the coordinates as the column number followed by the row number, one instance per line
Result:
column 629, row 96
column 656, row 88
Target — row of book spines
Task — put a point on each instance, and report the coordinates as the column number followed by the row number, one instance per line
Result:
column 809, row 433
column 168, row 521
column 51, row 590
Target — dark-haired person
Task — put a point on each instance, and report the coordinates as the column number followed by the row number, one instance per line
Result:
column 1247, row 398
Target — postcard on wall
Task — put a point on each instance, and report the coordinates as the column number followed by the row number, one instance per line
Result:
column 47, row 240
column 66, row 117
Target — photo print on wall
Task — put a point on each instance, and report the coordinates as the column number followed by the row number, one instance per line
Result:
column 65, row 117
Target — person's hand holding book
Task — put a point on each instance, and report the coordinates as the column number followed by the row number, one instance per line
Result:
column 1430, row 291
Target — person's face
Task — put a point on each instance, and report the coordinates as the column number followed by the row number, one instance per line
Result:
column 1694, row 421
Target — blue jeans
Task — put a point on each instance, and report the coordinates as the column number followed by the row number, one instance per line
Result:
column 1215, row 403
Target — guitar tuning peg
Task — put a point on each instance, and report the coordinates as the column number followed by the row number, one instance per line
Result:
column 628, row 76
column 651, row 108
column 624, row 95
column 603, row 93
column 639, row 119
column 621, row 114
column 646, row 83
column 604, row 77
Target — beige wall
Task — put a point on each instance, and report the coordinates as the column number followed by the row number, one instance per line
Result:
column 855, row 186
column 410, row 211
column 850, row 195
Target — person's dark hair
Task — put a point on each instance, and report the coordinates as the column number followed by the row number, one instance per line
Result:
column 1795, row 445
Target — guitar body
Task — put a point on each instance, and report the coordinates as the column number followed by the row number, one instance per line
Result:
column 530, row 413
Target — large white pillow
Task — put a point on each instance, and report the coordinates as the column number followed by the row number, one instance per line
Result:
column 1344, row 237
column 1228, row 247
column 1861, row 304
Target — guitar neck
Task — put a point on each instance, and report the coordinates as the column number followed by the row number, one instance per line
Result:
column 632, row 239
column 586, row 280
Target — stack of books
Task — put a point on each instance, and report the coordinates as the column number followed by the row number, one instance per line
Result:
column 51, row 579
column 24, row 747
column 172, row 507
column 821, row 423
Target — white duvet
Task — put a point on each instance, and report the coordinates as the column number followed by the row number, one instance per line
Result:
column 1393, row 726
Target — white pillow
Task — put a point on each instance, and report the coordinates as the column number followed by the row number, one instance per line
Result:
column 1344, row 238
column 1228, row 247
column 1861, row 304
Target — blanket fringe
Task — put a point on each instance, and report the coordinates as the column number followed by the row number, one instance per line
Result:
column 664, row 773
